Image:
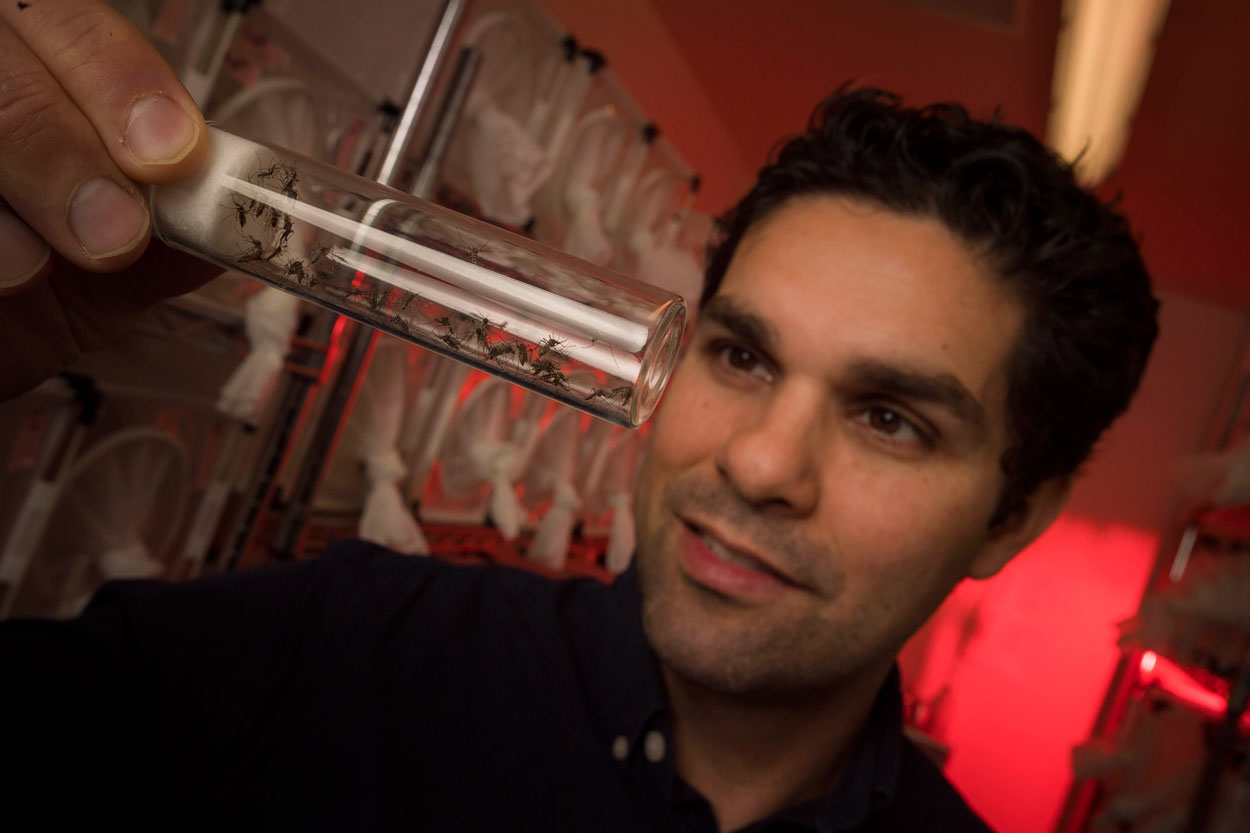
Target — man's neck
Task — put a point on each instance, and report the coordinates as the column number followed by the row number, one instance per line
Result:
column 753, row 757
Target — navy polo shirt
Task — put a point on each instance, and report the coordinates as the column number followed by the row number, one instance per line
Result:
column 371, row 691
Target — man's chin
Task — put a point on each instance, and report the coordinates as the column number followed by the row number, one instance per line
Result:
column 691, row 644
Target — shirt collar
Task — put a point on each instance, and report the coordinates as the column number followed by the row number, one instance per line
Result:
column 871, row 776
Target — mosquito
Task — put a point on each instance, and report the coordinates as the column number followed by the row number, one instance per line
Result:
column 375, row 297
column 256, row 251
column 548, row 346
column 481, row 330
column 555, row 378
column 281, row 246
column 542, row 367
column 292, row 177
column 240, row 210
column 296, row 270
column 321, row 252
column 622, row 394
column 265, row 173
column 474, row 251
column 288, row 228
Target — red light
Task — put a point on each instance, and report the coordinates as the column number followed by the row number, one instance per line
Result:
column 1180, row 684
column 336, row 336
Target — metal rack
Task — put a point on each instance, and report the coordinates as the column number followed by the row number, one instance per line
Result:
column 1211, row 660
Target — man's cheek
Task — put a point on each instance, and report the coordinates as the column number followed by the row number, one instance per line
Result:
column 671, row 442
column 693, row 425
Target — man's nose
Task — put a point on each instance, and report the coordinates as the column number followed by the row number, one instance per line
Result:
column 773, row 459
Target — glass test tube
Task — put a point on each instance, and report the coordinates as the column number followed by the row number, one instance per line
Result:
column 559, row 326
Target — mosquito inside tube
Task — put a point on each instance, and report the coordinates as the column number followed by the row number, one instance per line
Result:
column 474, row 251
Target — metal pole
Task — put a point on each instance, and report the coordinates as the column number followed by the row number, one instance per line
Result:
column 422, row 89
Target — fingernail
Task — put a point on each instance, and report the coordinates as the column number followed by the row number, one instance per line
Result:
column 106, row 218
column 24, row 253
column 158, row 131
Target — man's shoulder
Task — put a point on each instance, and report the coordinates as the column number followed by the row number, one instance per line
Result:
column 355, row 591
column 360, row 566
column 926, row 800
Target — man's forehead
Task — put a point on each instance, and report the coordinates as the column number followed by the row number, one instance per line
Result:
column 830, row 260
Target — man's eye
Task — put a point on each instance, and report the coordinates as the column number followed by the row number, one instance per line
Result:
column 742, row 360
column 895, row 426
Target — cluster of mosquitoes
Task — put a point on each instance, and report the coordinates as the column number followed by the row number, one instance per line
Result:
column 266, row 234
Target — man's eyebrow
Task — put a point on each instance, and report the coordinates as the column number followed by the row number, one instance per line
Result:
column 731, row 315
column 941, row 389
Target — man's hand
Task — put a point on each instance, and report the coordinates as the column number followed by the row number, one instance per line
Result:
column 88, row 109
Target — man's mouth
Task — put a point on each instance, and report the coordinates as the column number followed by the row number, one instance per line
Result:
column 727, row 570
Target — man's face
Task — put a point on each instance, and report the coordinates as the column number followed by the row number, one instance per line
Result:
column 826, row 462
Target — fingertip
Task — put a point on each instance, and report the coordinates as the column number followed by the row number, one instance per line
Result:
column 27, row 257
column 122, row 259
column 164, row 138
column 110, row 221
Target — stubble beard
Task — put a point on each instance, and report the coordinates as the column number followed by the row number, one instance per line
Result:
column 725, row 645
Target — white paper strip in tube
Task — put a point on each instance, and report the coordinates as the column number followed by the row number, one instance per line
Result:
column 512, row 293
column 600, row 356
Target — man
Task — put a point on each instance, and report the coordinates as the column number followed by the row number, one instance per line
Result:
column 913, row 333
column 915, row 330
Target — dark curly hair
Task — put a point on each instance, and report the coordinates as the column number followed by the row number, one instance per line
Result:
column 1070, row 258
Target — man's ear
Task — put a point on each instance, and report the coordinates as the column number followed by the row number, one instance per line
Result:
column 1022, row 528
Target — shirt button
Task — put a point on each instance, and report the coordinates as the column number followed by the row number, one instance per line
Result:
column 620, row 748
column 654, row 746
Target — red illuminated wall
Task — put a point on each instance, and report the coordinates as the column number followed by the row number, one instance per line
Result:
column 1034, row 664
